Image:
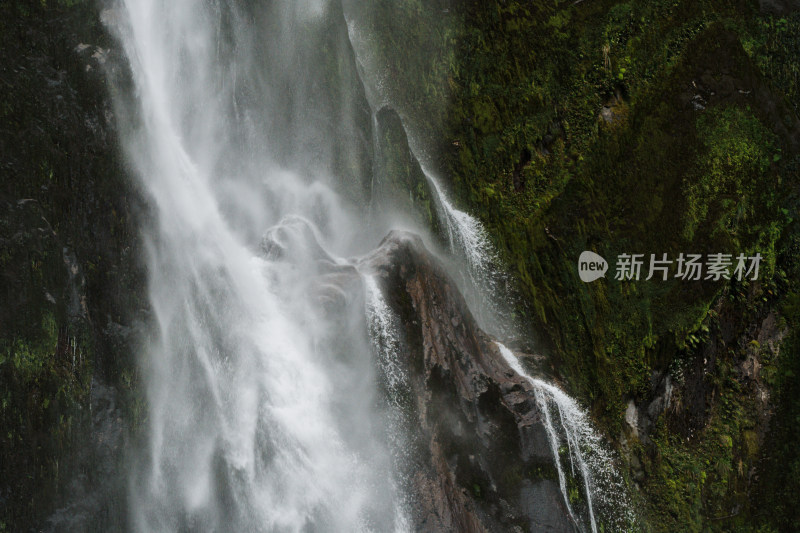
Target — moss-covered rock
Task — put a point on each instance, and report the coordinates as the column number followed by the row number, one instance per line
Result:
column 643, row 127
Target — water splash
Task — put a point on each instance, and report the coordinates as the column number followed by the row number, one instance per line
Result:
column 383, row 331
column 590, row 462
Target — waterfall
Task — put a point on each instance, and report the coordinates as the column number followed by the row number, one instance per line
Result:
column 246, row 130
column 260, row 405
column 590, row 462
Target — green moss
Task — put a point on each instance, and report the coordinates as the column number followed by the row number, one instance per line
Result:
column 780, row 482
column 46, row 379
column 738, row 152
column 665, row 176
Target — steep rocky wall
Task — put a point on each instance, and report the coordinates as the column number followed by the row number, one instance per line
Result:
column 69, row 269
column 649, row 127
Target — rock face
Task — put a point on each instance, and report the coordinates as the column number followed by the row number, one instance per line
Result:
column 479, row 458
column 69, row 273
column 400, row 181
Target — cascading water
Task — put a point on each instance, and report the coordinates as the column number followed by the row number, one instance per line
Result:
column 476, row 263
column 260, row 406
column 468, row 238
column 383, row 332
column 249, row 121
column 590, row 463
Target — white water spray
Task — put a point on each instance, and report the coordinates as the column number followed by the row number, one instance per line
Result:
column 383, row 329
column 259, row 404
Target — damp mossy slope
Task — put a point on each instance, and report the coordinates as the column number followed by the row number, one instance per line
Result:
column 657, row 126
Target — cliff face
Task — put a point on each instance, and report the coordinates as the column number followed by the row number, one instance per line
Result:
column 69, row 268
column 638, row 127
column 648, row 127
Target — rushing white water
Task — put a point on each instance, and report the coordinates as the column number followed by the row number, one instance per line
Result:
column 383, row 331
column 383, row 328
column 260, row 406
column 590, row 462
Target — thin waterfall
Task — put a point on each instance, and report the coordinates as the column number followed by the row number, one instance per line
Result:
column 383, row 331
column 467, row 235
column 469, row 239
column 382, row 324
column 602, row 485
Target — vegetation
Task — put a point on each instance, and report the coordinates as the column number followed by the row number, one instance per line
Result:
column 657, row 126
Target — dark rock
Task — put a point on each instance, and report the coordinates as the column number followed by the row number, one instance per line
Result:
column 778, row 7
column 481, row 460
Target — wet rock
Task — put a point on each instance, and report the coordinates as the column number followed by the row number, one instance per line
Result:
column 662, row 400
column 480, row 459
column 750, row 368
column 698, row 103
column 400, row 181
column 632, row 418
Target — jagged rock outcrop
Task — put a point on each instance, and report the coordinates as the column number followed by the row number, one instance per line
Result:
column 480, row 459
column 476, row 456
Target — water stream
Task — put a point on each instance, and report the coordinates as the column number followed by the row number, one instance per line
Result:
column 591, row 465
column 260, row 409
